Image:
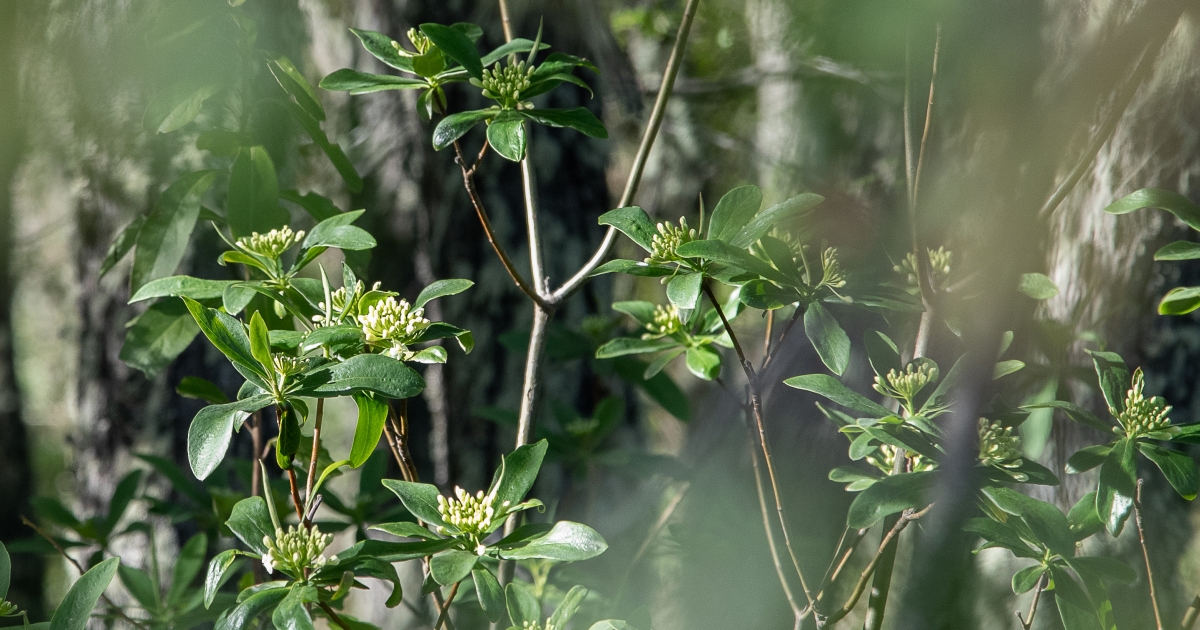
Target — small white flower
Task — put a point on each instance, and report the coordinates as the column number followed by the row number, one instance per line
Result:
column 268, row 563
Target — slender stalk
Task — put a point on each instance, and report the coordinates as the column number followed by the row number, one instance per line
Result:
column 333, row 616
column 505, row 21
column 257, row 445
column 907, row 517
column 767, row 334
column 445, row 614
column 1027, row 622
column 296, row 502
column 756, row 407
column 1137, row 516
column 674, row 63
column 916, row 183
column 797, row 612
column 536, row 269
column 1189, row 617
column 316, row 447
column 845, row 549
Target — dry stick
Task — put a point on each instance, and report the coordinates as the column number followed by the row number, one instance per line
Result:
column 78, row 567
column 1189, row 617
column 1027, row 622
column 756, row 406
column 1137, row 516
column 907, row 517
column 444, row 616
column 312, row 462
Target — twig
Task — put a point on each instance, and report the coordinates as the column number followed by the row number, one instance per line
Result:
column 333, row 616
column 916, row 184
column 291, row 473
column 256, row 440
column 756, row 407
column 674, row 63
column 316, row 447
column 1027, row 622
column 1137, row 516
column 779, row 344
column 767, row 334
column 797, row 612
column 907, row 517
column 444, row 616
column 537, row 271
column 839, row 560
column 505, row 21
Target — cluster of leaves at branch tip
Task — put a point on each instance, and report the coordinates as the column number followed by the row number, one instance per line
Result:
column 1142, row 417
column 998, row 447
column 297, row 551
column 471, row 515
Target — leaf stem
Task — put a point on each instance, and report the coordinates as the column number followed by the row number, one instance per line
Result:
column 1027, row 622
column 333, row 616
column 316, row 447
column 1137, row 516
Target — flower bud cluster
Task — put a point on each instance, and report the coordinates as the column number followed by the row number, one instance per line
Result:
column 471, row 515
column 940, row 260
column 666, row 321
column 885, row 460
column 336, row 312
column 419, row 41
column 668, row 238
column 7, row 608
column 907, row 384
column 506, row 84
column 286, row 365
column 272, row 244
column 1142, row 415
column 394, row 321
column 533, row 625
column 998, row 446
column 296, row 550
column 831, row 270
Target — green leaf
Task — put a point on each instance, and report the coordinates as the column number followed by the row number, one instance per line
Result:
column 220, row 569
column 441, row 288
column 250, row 521
column 1179, row 469
column 187, row 566
column 372, row 414
column 633, row 222
column 622, row 346
column 1118, row 484
column 288, row 444
column 319, row 207
column 831, row 388
column 1074, row 606
column 174, row 108
column 684, row 290
column 704, row 362
column 580, row 119
column 1172, row 202
column 565, row 542
column 226, row 333
column 138, row 583
column 451, row 567
column 1083, row 517
column 1180, row 301
column 518, row 472
column 163, row 237
column 566, row 609
column 179, row 286
column 294, row 83
column 1076, row 413
column 383, row 48
column 1108, row 569
column 487, row 589
column 121, row 246
column 1179, row 250
column 765, row 220
column 882, row 353
column 611, row 624
column 1113, row 375
column 726, row 254
column 252, row 204
column 1038, row 286
column 405, row 529
column 371, row 372
column 890, row 495
column 260, row 343
column 634, row 268
column 517, row 45
column 831, row 342
column 250, row 608
column 454, row 126
column 1088, row 458
column 212, row 430
column 157, row 336
column 419, row 498
column 997, row 534
column 765, row 296
column 733, row 212
column 332, row 150
column 292, row 613
column 506, row 134
column 457, row 46
column 523, row 607
column 5, row 571
column 1025, row 579
column 201, row 389
column 76, row 608
column 1004, row 368
column 1046, row 521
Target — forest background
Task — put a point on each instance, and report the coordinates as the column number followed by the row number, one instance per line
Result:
column 791, row 96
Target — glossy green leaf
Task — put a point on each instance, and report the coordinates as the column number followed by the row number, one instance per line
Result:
column 733, row 212
column 372, row 414
column 487, row 590
column 704, row 362
column 1038, row 286
column 201, row 389
column 163, row 238
column 632, row 222
column 76, row 608
column 294, row 83
column 580, row 119
column 831, row 388
column 405, row 529
column 1113, row 375
column 684, row 290
column 1088, row 458
column 565, row 542
column 260, row 342
column 726, row 254
column 567, row 608
column 634, row 268
column 888, row 496
column 5, row 571
column 506, row 134
column 1180, row 301
column 1178, row 467
column 179, row 286
column 1024, row 580
column 1046, row 521
column 1074, row 606
column 419, row 498
column 516, row 46
column 220, row 569
column 997, row 534
column 252, row 203
column 523, row 608
column 382, row 48
column 831, row 342
column 1076, row 413
column 441, row 288
column 250, row 521
column 292, row 612
column 765, row 296
column 288, row 443
column 262, row 600
column 1083, row 518
column 622, row 346
column 765, row 220
column 1172, row 202
column 518, row 472
column 1179, row 250
column 371, row 372
column 882, row 353
column 121, row 245
column 140, row 586
column 212, row 430
column 156, row 337
column 454, row 126
column 1004, row 368
column 1118, row 484
column 457, row 46
column 451, row 567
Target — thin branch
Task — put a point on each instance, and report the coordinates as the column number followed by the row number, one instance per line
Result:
column 445, row 614
column 1027, row 621
column 505, row 21
column 537, row 271
column 256, row 440
column 333, row 616
column 767, row 334
column 797, row 611
column 316, row 447
column 291, row 473
column 1137, row 515
column 674, row 63
column 779, row 344
column 916, row 184
column 845, row 549
column 907, row 517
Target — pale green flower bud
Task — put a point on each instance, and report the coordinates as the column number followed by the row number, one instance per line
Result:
column 666, row 321
column 667, row 239
column 998, row 446
column 272, row 244
column 885, row 460
column 7, row 608
column 505, row 84
column 831, row 270
column 393, row 324
column 297, row 550
column 1142, row 415
column 907, row 384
